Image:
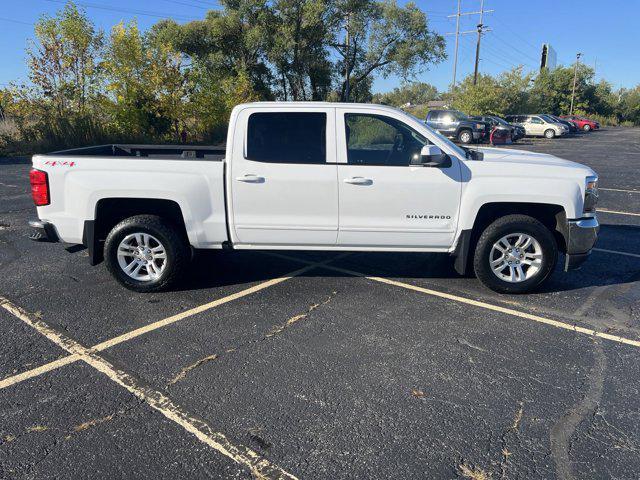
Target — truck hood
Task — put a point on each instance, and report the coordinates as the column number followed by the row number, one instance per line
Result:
column 508, row 155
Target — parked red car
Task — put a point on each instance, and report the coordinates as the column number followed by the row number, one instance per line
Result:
column 583, row 124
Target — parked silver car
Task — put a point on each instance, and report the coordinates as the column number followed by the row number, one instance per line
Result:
column 538, row 125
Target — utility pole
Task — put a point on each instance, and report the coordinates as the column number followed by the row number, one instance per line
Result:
column 455, row 56
column 575, row 76
column 346, row 62
column 480, row 27
column 457, row 33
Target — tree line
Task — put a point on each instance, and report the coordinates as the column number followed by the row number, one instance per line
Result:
column 514, row 92
column 179, row 82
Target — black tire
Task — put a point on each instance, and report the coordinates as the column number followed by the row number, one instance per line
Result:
column 176, row 247
column 549, row 133
column 504, row 226
column 587, row 127
column 465, row 136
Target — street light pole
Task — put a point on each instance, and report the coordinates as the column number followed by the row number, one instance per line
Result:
column 575, row 76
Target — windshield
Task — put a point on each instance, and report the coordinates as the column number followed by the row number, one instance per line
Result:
column 459, row 151
column 458, row 115
column 502, row 121
column 548, row 118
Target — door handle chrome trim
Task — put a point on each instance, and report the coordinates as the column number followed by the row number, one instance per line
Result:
column 250, row 178
column 358, row 181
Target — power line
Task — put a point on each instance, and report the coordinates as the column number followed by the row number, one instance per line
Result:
column 205, row 2
column 514, row 47
column 146, row 13
column 517, row 34
column 457, row 33
column 186, row 4
column 509, row 56
column 15, row 21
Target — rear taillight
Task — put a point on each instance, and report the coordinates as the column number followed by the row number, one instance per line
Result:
column 39, row 187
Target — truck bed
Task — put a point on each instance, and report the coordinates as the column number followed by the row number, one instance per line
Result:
column 169, row 152
column 190, row 176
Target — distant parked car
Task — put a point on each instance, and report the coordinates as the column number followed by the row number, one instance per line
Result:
column 573, row 128
column 537, row 126
column 458, row 126
column 582, row 123
column 517, row 132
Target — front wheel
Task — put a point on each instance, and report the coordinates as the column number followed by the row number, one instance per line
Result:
column 587, row 127
column 515, row 254
column 146, row 253
column 465, row 136
column 549, row 133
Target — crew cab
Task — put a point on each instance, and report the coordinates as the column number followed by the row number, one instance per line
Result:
column 456, row 125
column 318, row 176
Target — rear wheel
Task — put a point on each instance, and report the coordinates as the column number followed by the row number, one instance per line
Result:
column 549, row 133
column 515, row 254
column 586, row 127
column 145, row 253
column 465, row 136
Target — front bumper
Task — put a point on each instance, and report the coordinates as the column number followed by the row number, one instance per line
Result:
column 477, row 135
column 43, row 231
column 581, row 236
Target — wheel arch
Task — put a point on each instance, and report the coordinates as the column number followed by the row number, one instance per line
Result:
column 550, row 215
column 111, row 211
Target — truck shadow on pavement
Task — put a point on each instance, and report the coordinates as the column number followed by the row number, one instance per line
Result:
column 218, row 268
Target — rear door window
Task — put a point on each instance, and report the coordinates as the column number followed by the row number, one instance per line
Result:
column 287, row 137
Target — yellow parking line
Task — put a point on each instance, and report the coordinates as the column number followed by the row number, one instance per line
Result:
column 618, row 190
column 259, row 466
column 34, row 372
column 627, row 254
column 616, row 212
column 12, row 380
column 485, row 305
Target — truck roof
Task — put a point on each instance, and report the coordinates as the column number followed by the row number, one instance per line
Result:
column 317, row 105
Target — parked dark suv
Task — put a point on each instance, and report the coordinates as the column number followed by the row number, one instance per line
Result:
column 456, row 125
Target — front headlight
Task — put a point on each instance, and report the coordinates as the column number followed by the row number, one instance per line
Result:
column 590, row 195
column 480, row 126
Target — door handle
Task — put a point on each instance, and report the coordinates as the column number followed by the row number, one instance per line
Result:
column 250, row 178
column 358, row 181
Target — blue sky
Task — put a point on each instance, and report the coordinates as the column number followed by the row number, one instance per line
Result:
column 606, row 34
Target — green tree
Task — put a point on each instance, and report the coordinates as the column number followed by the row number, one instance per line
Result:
column 551, row 90
column 629, row 106
column 63, row 60
column 414, row 93
column 382, row 38
column 300, row 29
column 146, row 84
column 231, row 42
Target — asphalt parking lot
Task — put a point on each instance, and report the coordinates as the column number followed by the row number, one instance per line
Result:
column 324, row 366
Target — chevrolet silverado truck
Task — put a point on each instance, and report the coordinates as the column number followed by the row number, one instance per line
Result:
column 318, row 176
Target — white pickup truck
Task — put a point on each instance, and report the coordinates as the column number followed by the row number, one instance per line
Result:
column 318, row 176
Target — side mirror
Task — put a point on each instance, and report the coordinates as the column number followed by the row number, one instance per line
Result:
column 431, row 156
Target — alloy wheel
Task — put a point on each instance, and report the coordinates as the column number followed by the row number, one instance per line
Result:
column 142, row 256
column 516, row 257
